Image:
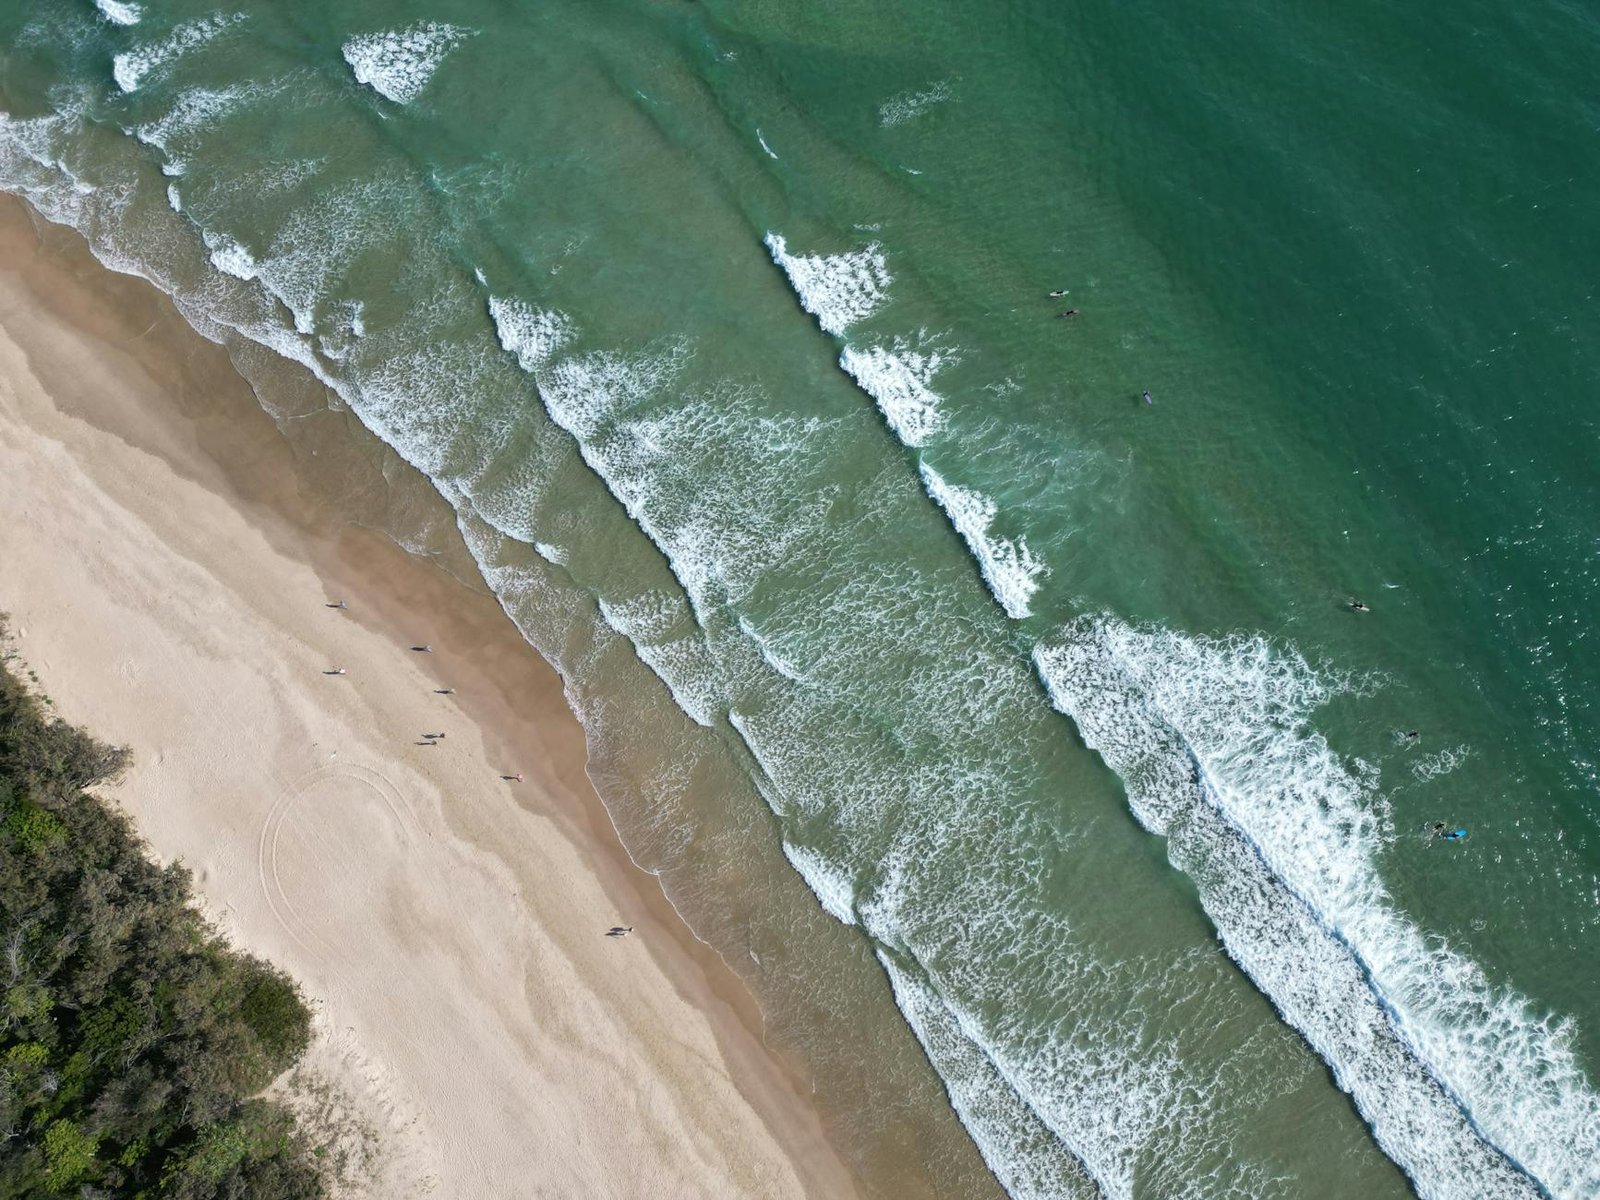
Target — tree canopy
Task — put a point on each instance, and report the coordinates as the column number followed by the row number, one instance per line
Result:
column 134, row 1042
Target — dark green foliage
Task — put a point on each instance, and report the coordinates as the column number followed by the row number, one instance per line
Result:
column 132, row 1039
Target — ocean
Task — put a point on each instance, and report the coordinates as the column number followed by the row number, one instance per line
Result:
column 1047, row 715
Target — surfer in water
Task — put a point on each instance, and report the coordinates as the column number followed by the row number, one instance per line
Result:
column 1147, row 399
column 1445, row 834
column 1058, row 293
column 1357, row 606
column 1071, row 312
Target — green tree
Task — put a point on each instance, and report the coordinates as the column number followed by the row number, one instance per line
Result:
column 133, row 1040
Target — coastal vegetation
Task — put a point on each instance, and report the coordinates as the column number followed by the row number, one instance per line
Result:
column 134, row 1042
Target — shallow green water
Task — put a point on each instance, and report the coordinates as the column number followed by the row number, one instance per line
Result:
column 908, row 613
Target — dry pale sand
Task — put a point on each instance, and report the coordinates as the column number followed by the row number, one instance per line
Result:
column 446, row 926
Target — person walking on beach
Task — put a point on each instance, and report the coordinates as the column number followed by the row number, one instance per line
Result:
column 619, row 931
column 334, row 671
column 339, row 604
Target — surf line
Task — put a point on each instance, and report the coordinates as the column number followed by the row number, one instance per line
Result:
column 1210, row 794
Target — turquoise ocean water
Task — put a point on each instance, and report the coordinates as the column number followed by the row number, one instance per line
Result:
column 725, row 330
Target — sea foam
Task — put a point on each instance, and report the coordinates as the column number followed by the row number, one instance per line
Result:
column 398, row 63
column 1008, row 567
column 195, row 112
column 838, row 289
column 532, row 335
column 132, row 67
column 909, row 105
column 119, row 12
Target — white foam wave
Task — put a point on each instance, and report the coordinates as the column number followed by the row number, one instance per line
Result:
column 1029, row 1162
column 306, row 259
column 532, row 335
column 666, row 639
column 1442, row 762
column 770, row 152
column 1457, row 1078
column 770, row 654
column 908, row 105
column 830, row 885
column 132, row 67
column 194, row 111
column 1008, row 567
column 583, row 393
column 119, row 12
column 229, row 257
column 837, row 289
column 399, row 63
column 898, row 378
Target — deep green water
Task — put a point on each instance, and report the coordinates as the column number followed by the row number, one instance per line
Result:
column 1052, row 696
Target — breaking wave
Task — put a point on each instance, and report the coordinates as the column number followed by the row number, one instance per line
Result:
column 133, row 67
column 1008, row 567
column 399, row 63
column 838, row 289
column 1463, row 1084
column 898, row 379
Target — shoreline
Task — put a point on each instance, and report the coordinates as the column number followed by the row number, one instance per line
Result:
column 95, row 443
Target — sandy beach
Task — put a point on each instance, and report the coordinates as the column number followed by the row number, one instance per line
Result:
column 169, row 581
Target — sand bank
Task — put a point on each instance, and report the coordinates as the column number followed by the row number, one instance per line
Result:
column 167, row 578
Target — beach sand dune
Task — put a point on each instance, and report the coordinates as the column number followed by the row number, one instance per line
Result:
column 168, row 582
